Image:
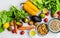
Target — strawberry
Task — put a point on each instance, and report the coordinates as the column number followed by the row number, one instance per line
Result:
column 46, row 20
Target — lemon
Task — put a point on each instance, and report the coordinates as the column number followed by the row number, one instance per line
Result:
column 32, row 33
column 6, row 25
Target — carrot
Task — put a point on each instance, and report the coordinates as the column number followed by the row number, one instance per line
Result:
column 26, row 27
column 15, row 26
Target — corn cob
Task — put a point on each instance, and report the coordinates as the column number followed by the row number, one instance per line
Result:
column 29, row 10
column 32, row 6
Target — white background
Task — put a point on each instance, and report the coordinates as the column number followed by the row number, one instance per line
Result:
column 5, row 5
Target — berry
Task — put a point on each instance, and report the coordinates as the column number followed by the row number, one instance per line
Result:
column 58, row 13
column 47, row 14
column 46, row 20
column 22, row 32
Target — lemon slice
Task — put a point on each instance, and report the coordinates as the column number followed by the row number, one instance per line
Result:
column 32, row 33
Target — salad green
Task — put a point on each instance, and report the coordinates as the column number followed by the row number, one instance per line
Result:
column 52, row 5
column 8, row 16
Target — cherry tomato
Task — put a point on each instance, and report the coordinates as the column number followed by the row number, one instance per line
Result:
column 13, row 31
column 47, row 14
column 58, row 13
column 46, row 20
column 59, row 17
column 22, row 32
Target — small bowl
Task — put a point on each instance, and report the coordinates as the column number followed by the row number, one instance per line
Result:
column 49, row 25
column 43, row 34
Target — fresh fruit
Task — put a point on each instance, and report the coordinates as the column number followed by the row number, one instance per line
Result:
column 59, row 17
column 30, row 22
column 6, row 25
column 1, row 29
column 58, row 13
column 47, row 14
column 46, row 20
column 42, row 15
column 22, row 32
column 32, row 32
column 36, row 19
column 26, row 20
column 13, row 31
column 19, row 24
column 45, row 10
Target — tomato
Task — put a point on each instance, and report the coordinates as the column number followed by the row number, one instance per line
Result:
column 13, row 31
column 59, row 17
column 46, row 20
column 47, row 14
column 58, row 13
column 22, row 32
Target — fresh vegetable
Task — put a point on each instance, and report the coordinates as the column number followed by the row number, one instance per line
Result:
column 1, row 29
column 54, row 25
column 58, row 5
column 35, row 24
column 11, row 24
column 22, row 32
column 54, row 15
column 25, row 20
column 0, row 23
column 10, row 28
column 47, row 14
column 18, row 14
column 6, row 25
column 30, row 22
column 42, row 15
column 42, row 29
column 58, row 13
column 15, row 27
column 19, row 24
column 32, row 32
column 26, row 27
column 36, row 19
column 38, row 3
column 30, row 8
column 45, row 10
column 58, row 17
column 46, row 20
column 13, row 31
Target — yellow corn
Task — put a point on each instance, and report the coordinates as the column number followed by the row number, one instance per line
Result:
column 32, row 6
column 29, row 10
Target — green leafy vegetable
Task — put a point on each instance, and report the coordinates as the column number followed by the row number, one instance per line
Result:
column 19, row 14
